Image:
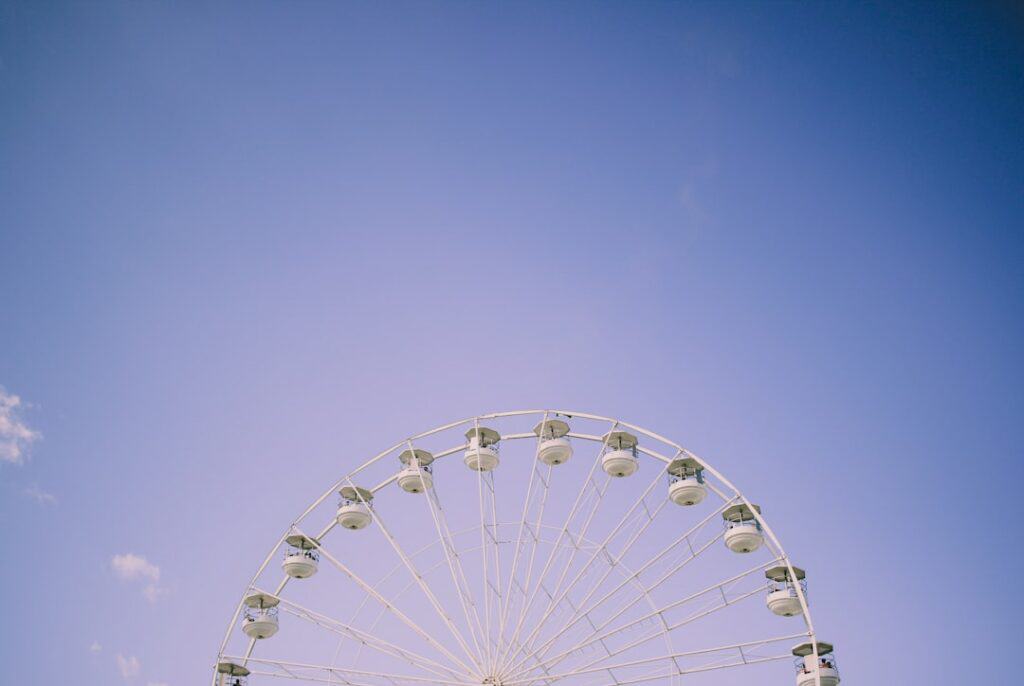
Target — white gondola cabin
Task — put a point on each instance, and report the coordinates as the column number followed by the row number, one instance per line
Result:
column 686, row 481
column 809, row 668
column 354, row 509
column 482, row 452
column 782, row 594
column 742, row 531
column 619, row 458
column 301, row 558
column 554, row 447
column 416, row 475
column 260, row 619
column 231, row 674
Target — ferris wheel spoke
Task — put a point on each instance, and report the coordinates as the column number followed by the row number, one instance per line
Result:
column 488, row 544
column 597, row 635
column 684, row 538
column 671, row 657
column 555, row 550
column 418, row 581
column 531, row 655
column 726, row 602
column 365, row 638
column 741, row 661
column 458, row 575
column 497, row 583
column 401, row 616
column 546, row 672
column 313, row 672
column 535, row 466
column 300, row 675
column 555, row 596
column 602, row 548
column 586, row 610
column 614, row 563
column 381, row 611
column 329, row 676
column 534, row 542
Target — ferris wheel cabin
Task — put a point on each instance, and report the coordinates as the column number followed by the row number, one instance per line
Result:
column 742, row 530
column 482, row 453
column 354, row 509
column 686, row 481
column 554, row 447
column 260, row 619
column 783, row 599
column 619, row 459
column 231, row 674
column 415, row 476
column 809, row 669
column 301, row 558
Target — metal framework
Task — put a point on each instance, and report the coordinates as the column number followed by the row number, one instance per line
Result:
column 577, row 585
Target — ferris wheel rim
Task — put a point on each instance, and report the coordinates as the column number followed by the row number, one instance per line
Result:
column 738, row 496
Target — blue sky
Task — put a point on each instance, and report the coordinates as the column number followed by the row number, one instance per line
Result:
column 243, row 247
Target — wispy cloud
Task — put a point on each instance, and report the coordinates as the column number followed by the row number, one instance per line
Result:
column 152, row 592
column 156, row 683
column 95, row 647
column 15, row 435
column 131, row 567
column 128, row 666
column 135, row 568
column 40, row 496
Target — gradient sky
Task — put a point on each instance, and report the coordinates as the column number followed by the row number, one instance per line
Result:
column 243, row 246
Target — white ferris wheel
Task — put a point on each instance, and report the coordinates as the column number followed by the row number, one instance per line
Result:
column 528, row 548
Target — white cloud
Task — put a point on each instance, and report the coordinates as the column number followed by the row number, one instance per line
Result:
column 15, row 435
column 132, row 567
column 95, row 647
column 156, row 683
column 128, row 666
column 153, row 592
column 40, row 496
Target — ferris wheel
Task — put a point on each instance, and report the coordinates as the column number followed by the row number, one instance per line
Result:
column 527, row 548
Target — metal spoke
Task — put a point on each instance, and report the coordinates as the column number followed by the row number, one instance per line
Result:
column 291, row 667
column 486, row 584
column 586, row 610
column 418, row 578
column 727, row 602
column 503, row 618
column 695, row 670
column 367, row 639
column 555, row 549
column 454, row 564
column 497, row 581
column 535, row 535
column 596, row 636
column 597, row 551
column 557, row 595
column 370, row 590
column 672, row 656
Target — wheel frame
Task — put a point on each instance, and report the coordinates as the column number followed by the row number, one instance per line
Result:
column 738, row 497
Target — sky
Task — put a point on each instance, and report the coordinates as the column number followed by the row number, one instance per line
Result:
column 245, row 246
